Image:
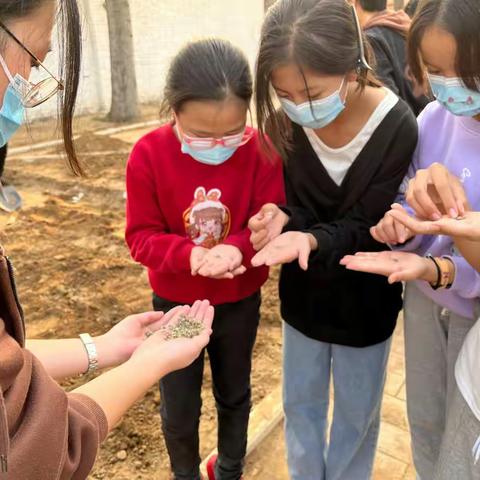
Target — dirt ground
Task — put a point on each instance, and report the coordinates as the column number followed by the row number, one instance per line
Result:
column 75, row 275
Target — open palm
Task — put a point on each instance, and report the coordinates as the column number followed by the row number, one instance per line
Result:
column 397, row 266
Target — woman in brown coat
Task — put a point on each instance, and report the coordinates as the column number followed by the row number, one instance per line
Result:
column 45, row 433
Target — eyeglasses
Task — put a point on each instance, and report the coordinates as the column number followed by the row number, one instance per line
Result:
column 31, row 94
column 229, row 141
column 362, row 63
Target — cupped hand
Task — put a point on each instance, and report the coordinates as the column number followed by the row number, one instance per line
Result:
column 118, row 344
column 165, row 356
column 222, row 262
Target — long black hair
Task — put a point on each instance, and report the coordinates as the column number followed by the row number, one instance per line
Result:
column 460, row 18
column 210, row 69
column 69, row 28
column 320, row 35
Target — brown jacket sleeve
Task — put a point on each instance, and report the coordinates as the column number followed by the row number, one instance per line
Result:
column 52, row 435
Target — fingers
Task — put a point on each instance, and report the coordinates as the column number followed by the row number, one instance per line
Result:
column 259, row 259
column 421, row 227
column 387, row 232
column 168, row 316
column 449, row 190
column 215, row 269
column 199, row 310
column 401, row 232
column 259, row 239
column 304, row 255
column 418, row 198
column 263, row 217
column 195, row 308
column 377, row 234
column 149, row 318
column 239, row 271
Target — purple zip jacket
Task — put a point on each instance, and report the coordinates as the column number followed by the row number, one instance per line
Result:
column 454, row 142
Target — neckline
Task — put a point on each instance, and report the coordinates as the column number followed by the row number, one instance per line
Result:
column 334, row 187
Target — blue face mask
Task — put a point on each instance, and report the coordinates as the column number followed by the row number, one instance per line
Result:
column 455, row 96
column 12, row 111
column 316, row 114
column 213, row 156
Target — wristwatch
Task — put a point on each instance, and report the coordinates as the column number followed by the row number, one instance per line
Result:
column 91, row 349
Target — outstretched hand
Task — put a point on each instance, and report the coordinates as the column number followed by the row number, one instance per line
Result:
column 397, row 266
column 286, row 248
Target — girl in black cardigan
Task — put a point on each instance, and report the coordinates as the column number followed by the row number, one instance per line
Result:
column 347, row 144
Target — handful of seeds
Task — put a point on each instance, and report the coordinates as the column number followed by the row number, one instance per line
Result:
column 186, row 327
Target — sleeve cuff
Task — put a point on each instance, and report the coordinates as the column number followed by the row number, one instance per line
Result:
column 467, row 280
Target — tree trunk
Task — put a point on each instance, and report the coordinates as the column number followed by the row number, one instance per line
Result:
column 398, row 4
column 124, row 105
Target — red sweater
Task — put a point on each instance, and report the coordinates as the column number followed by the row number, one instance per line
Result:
column 175, row 203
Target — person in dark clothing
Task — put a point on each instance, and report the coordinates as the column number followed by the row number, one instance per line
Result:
column 386, row 31
column 347, row 142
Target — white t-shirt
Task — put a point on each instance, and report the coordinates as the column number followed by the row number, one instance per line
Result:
column 337, row 161
column 467, row 369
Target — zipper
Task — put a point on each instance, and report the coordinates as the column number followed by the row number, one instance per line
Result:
column 11, row 274
column 3, row 464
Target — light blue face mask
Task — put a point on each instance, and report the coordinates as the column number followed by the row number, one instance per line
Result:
column 213, row 156
column 316, row 114
column 12, row 112
column 455, row 96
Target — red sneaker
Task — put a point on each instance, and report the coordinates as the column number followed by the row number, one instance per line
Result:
column 211, row 467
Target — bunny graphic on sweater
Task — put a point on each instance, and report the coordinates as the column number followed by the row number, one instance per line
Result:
column 207, row 220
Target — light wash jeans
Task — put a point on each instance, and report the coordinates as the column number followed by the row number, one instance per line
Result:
column 358, row 381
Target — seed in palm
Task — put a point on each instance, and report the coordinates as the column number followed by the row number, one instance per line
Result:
column 186, row 327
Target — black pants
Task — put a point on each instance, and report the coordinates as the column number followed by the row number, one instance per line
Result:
column 230, row 352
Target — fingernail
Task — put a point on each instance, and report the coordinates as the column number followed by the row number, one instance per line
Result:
column 453, row 213
column 436, row 216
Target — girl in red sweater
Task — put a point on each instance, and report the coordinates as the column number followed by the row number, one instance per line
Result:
column 192, row 185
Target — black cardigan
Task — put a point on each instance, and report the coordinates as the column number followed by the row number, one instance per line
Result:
column 328, row 302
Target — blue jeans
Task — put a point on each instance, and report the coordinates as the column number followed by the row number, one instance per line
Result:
column 358, row 381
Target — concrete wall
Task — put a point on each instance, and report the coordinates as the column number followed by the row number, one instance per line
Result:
column 160, row 28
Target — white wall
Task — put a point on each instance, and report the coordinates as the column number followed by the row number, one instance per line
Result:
column 160, row 28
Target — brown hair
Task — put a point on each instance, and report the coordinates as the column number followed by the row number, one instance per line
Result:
column 320, row 35
column 460, row 18
column 71, row 51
